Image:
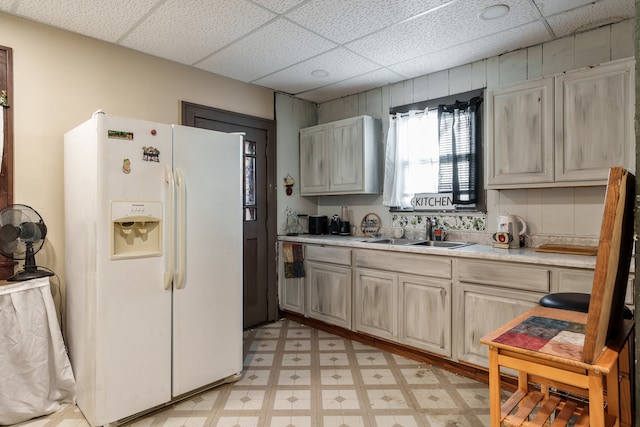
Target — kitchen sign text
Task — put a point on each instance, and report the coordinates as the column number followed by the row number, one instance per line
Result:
column 433, row 202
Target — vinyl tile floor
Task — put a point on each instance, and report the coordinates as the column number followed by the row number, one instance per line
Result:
column 297, row 376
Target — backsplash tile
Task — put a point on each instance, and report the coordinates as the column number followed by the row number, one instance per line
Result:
column 454, row 222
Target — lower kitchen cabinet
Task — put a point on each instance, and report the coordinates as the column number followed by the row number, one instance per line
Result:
column 488, row 295
column 376, row 302
column 328, row 284
column 441, row 304
column 580, row 280
column 483, row 309
column 291, row 290
column 404, row 298
column 425, row 313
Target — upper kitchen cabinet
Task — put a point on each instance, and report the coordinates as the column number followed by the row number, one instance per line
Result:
column 594, row 122
column 341, row 157
column 564, row 130
column 520, row 134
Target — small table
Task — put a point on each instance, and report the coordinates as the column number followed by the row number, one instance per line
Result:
column 35, row 372
column 561, row 369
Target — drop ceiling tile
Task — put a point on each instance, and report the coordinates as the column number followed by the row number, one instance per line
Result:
column 343, row 21
column 240, row 39
column 174, row 31
column 485, row 47
column 444, row 28
column 375, row 79
column 279, row 6
column 340, row 63
column 552, row 7
column 103, row 19
column 591, row 16
column 274, row 47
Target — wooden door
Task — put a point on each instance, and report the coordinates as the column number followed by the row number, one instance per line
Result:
column 6, row 170
column 259, row 210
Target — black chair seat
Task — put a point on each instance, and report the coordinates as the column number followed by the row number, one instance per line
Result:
column 574, row 301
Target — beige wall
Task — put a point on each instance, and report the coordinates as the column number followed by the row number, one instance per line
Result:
column 61, row 78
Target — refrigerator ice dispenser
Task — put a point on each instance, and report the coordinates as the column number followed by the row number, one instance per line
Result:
column 136, row 229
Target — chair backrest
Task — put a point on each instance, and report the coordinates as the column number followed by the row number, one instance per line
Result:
column 612, row 263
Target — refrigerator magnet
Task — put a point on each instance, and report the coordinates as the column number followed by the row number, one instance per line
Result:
column 150, row 154
column 126, row 166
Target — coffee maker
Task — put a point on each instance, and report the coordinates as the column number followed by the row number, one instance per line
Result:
column 334, row 225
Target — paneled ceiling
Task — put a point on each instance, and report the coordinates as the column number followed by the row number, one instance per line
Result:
column 320, row 50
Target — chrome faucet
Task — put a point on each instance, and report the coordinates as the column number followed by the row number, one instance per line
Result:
column 429, row 231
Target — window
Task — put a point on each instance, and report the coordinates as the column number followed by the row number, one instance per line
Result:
column 250, row 202
column 434, row 150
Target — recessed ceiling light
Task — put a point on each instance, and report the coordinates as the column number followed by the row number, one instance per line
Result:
column 319, row 73
column 494, row 12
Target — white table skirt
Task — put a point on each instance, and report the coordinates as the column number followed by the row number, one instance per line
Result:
column 35, row 373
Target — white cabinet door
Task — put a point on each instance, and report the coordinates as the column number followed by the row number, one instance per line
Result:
column 376, row 303
column 291, row 290
column 314, row 160
column 594, row 122
column 292, row 297
column 481, row 309
column 329, row 293
column 520, row 134
column 341, row 157
column 425, row 313
column 347, row 155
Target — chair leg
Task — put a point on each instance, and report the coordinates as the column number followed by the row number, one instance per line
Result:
column 596, row 399
column 626, row 402
column 613, row 393
column 494, row 388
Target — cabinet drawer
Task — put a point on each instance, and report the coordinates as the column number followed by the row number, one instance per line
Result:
column 330, row 254
column 582, row 281
column 575, row 281
column 505, row 275
column 422, row 265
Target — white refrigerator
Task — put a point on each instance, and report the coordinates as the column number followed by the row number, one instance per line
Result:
column 153, row 250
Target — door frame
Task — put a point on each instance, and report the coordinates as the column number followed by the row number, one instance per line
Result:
column 6, row 178
column 190, row 112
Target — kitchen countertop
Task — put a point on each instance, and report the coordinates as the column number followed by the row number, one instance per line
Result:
column 474, row 251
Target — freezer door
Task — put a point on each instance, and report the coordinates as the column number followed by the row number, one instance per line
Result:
column 132, row 307
column 207, row 304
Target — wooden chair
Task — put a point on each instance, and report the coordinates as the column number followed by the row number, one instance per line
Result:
column 573, row 366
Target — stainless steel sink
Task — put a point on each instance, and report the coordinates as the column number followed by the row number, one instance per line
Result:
column 412, row 242
column 391, row 241
column 442, row 244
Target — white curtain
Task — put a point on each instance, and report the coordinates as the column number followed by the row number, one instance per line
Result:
column 412, row 157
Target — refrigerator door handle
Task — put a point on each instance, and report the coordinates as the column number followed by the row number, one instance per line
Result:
column 181, row 229
column 168, row 275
